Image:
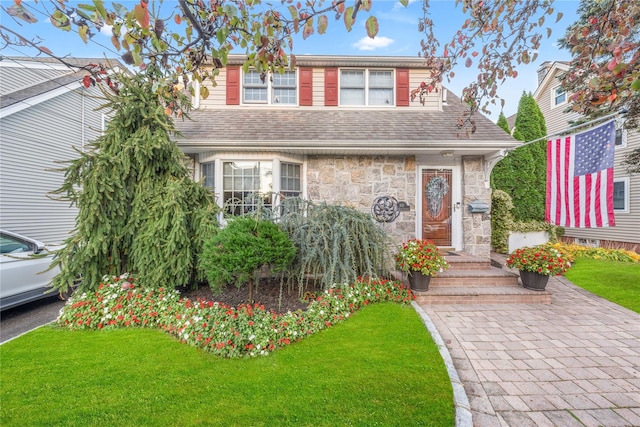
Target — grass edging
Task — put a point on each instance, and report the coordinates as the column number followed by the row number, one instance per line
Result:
column 461, row 403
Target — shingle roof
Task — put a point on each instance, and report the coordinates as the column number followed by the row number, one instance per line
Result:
column 338, row 128
column 51, row 80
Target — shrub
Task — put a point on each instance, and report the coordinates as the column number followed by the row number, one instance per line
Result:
column 501, row 220
column 336, row 244
column 579, row 251
column 236, row 252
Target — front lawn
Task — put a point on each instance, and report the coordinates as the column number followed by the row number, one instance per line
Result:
column 380, row 367
column 615, row 281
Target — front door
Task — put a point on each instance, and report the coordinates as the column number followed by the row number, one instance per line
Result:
column 436, row 206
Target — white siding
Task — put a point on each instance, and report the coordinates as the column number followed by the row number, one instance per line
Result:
column 31, row 142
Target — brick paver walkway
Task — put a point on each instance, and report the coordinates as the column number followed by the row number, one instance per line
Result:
column 574, row 362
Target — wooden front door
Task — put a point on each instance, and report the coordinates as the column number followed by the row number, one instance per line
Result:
column 436, row 206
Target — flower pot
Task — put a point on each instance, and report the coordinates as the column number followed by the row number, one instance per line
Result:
column 534, row 281
column 418, row 281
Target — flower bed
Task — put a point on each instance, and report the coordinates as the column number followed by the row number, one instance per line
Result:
column 243, row 331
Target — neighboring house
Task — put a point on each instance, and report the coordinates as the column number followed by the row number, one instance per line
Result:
column 552, row 101
column 343, row 129
column 45, row 113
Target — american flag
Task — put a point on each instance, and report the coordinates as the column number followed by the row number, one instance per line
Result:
column 580, row 178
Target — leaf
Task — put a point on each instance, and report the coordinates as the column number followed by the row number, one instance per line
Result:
column 177, row 19
column 405, row 3
column 141, row 12
column 365, row 5
column 636, row 85
column 60, row 20
column 45, row 50
column 372, row 26
column 308, row 29
column 20, row 12
column 82, row 32
column 559, row 17
column 468, row 63
column 115, row 42
column 323, row 23
column 204, row 92
column 100, row 8
column 348, row 18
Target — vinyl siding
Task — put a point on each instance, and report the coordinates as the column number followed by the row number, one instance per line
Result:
column 31, row 142
column 217, row 95
column 627, row 228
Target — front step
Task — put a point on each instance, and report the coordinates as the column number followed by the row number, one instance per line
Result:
column 474, row 280
column 482, row 295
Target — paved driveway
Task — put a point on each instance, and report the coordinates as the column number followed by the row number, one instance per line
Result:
column 575, row 362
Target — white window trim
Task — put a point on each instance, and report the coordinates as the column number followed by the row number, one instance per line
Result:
column 620, row 125
column 275, row 158
column 270, row 102
column 553, row 97
column 366, row 87
column 626, row 194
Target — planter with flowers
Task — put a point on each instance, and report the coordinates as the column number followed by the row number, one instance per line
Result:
column 537, row 263
column 421, row 260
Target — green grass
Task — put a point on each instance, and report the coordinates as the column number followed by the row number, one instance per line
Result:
column 378, row 368
column 618, row 282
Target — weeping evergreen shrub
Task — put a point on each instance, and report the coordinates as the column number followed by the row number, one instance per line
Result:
column 139, row 211
column 336, row 244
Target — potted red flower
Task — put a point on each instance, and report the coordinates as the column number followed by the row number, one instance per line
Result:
column 537, row 263
column 421, row 260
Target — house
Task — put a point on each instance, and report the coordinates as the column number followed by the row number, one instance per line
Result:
column 45, row 115
column 552, row 100
column 344, row 130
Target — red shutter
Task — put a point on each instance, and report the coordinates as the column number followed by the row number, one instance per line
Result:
column 306, row 86
column 402, row 87
column 233, row 85
column 330, row 87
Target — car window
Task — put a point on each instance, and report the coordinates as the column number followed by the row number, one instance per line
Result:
column 11, row 245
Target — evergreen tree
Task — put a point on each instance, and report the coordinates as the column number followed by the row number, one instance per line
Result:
column 139, row 211
column 503, row 124
column 522, row 174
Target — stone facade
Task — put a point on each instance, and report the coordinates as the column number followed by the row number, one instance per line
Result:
column 356, row 181
column 476, row 226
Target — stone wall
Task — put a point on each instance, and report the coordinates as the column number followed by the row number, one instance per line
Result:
column 357, row 180
column 476, row 226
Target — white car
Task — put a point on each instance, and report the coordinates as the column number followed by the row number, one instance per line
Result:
column 23, row 270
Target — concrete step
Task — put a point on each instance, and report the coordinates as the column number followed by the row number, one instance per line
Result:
column 482, row 295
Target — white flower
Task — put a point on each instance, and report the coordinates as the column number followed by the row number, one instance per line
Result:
column 251, row 337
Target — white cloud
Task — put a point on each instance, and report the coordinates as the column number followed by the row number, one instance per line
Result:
column 367, row 43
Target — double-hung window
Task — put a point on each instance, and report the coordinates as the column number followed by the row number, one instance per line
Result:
column 559, row 96
column 366, row 87
column 277, row 89
column 621, row 194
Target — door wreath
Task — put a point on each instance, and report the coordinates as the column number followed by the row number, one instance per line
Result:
column 437, row 188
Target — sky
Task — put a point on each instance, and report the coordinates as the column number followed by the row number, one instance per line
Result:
column 398, row 35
